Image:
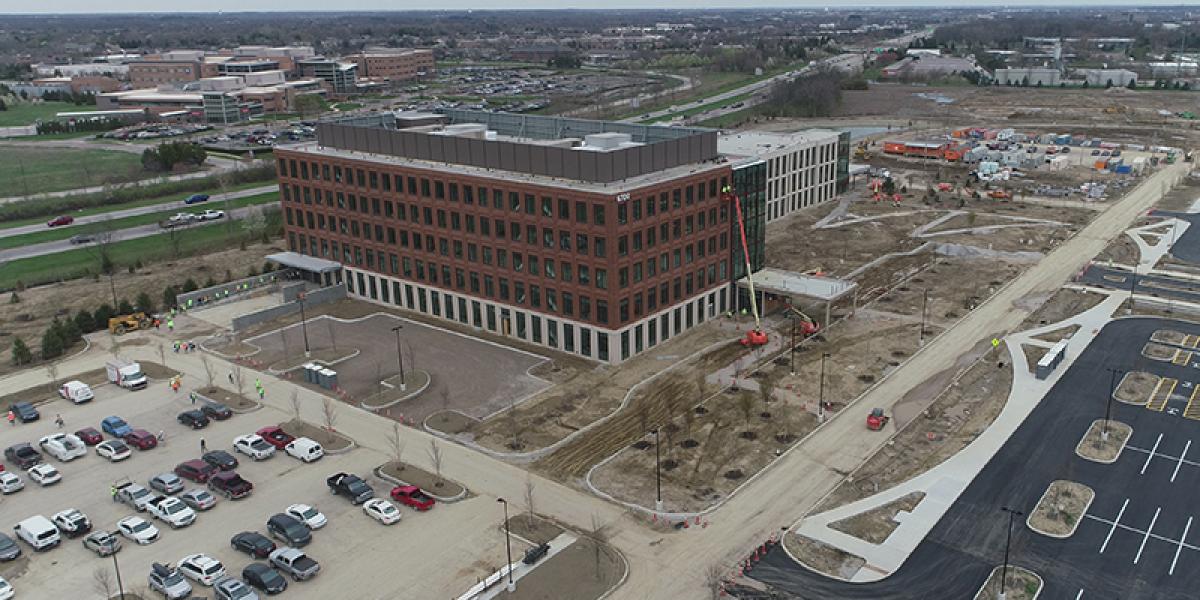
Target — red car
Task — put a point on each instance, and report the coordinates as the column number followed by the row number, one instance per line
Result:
column 230, row 484
column 195, row 470
column 60, row 220
column 411, row 495
column 90, row 436
column 275, row 436
column 141, row 439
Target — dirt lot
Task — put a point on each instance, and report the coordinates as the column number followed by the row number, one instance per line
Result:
column 30, row 317
column 1121, row 251
column 1059, row 510
column 822, row 557
column 585, row 570
column 876, row 525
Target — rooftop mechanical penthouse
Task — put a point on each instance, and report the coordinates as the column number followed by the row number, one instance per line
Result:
column 595, row 238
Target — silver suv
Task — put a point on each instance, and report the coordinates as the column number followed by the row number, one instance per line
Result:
column 169, row 582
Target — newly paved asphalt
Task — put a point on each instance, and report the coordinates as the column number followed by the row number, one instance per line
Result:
column 1150, row 285
column 1155, row 492
column 1187, row 246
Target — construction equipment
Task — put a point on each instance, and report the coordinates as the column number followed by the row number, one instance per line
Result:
column 808, row 325
column 861, row 152
column 876, row 420
column 756, row 336
column 122, row 323
column 1000, row 195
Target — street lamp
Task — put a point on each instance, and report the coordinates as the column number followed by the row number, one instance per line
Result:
column 924, row 304
column 1132, row 286
column 1112, row 391
column 512, row 586
column 117, row 567
column 658, row 502
column 400, row 355
column 303, row 323
column 821, row 398
column 1012, row 513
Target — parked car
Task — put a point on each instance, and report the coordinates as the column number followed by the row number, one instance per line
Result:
column 253, row 543
column 172, row 511
column 115, row 426
column 113, row 450
column 216, row 411
column 253, row 446
column 350, row 486
column 304, row 449
column 263, row 577
column 138, row 530
column 102, row 543
column 24, row 411
column 44, row 474
column 198, row 499
column 6, row 589
column 295, row 563
column 193, row 418
column 133, row 495
column 90, row 436
column 220, row 459
column 195, row 470
column 202, row 569
column 275, row 436
column 10, row 482
column 141, row 439
column 232, row 589
column 38, row 532
column 288, row 529
column 381, row 510
column 60, row 221
column 169, row 582
column 196, row 198
column 230, row 484
column 211, row 215
column 76, row 391
column 63, row 446
column 23, row 455
column 412, row 496
column 71, row 522
column 9, row 550
column 167, row 483
column 307, row 515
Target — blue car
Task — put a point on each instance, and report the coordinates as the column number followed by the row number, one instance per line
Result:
column 115, row 426
column 196, row 198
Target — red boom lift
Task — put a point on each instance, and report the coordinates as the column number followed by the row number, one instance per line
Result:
column 756, row 336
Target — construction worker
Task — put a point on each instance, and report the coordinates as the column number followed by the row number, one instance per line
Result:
column 112, row 490
column 58, row 420
column 171, row 324
column 12, row 418
column 203, row 446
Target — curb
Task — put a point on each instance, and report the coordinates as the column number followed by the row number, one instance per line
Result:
column 1061, row 536
column 414, row 393
column 257, row 405
column 444, row 499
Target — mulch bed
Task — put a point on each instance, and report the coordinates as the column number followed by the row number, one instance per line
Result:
column 330, row 440
column 423, row 479
column 573, row 573
column 233, row 400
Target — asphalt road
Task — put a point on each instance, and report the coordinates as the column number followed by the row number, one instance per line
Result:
column 1187, row 246
column 1150, row 493
column 841, row 61
column 129, row 233
column 1152, row 285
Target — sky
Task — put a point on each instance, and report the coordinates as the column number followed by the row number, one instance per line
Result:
column 131, row 6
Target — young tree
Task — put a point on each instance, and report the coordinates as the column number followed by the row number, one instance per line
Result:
column 210, row 370
column 510, row 417
column 295, row 402
column 745, row 404
column 599, row 534
column 444, row 399
column 162, row 354
column 21, row 355
column 52, row 344
column 239, row 378
column 397, row 444
column 529, row 497
column 765, row 388
column 144, row 303
column 435, row 456
column 52, row 372
column 102, row 582
column 332, row 333
column 85, row 323
column 329, row 412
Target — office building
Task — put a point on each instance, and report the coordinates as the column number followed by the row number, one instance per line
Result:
column 803, row 168
column 341, row 77
column 394, row 64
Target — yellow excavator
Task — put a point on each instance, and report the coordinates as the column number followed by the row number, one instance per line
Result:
column 124, row 323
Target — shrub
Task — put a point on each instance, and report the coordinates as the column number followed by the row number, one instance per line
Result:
column 144, row 303
column 52, row 344
column 100, row 318
column 190, row 285
column 84, row 321
column 124, row 308
column 20, row 353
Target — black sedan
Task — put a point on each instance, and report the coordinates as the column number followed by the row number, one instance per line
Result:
column 265, row 578
column 216, row 411
column 253, row 543
column 193, row 418
column 23, row 455
column 24, row 411
column 221, row 460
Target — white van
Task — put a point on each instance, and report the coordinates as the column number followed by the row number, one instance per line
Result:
column 304, row 449
column 75, row 391
column 38, row 532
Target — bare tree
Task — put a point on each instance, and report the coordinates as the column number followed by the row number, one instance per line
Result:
column 332, row 333
column 115, row 348
column 101, row 248
column 283, row 341
column 435, row 456
column 295, row 404
column 210, row 370
column 102, row 582
column 162, row 353
column 599, row 534
column 689, row 421
column 239, row 378
column 701, row 388
column 397, row 444
column 529, row 497
column 412, row 358
column 765, row 388
column 329, row 412
column 52, row 371
column 745, row 404
column 444, row 398
column 378, row 379
column 513, row 427
column 714, row 581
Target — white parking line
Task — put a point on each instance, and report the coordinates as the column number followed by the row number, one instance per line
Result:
column 1145, row 539
column 1188, row 462
column 1079, row 595
column 1152, row 451
column 1183, row 537
column 1180, row 463
column 1114, row 526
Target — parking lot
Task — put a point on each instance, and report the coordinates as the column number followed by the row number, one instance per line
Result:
column 353, row 550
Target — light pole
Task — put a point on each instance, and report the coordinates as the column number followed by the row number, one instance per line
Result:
column 924, row 305
column 512, row 586
column 658, row 503
column 793, row 352
column 1112, row 391
column 117, row 568
column 1012, row 513
column 1132, row 286
column 400, row 355
column 821, row 397
column 303, row 324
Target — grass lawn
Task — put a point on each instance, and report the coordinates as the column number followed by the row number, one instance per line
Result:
column 27, row 170
column 75, row 263
column 136, row 203
column 62, row 233
column 25, row 113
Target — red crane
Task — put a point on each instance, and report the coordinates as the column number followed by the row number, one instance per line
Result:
column 756, row 336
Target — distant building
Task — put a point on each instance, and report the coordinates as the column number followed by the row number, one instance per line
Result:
column 171, row 68
column 928, row 66
column 803, row 168
column 1031, row 76
column 538, row 54
column 118, row 71
column 341, row 76
column 1161, row 70
column 1107, row 77
column 394, row 64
